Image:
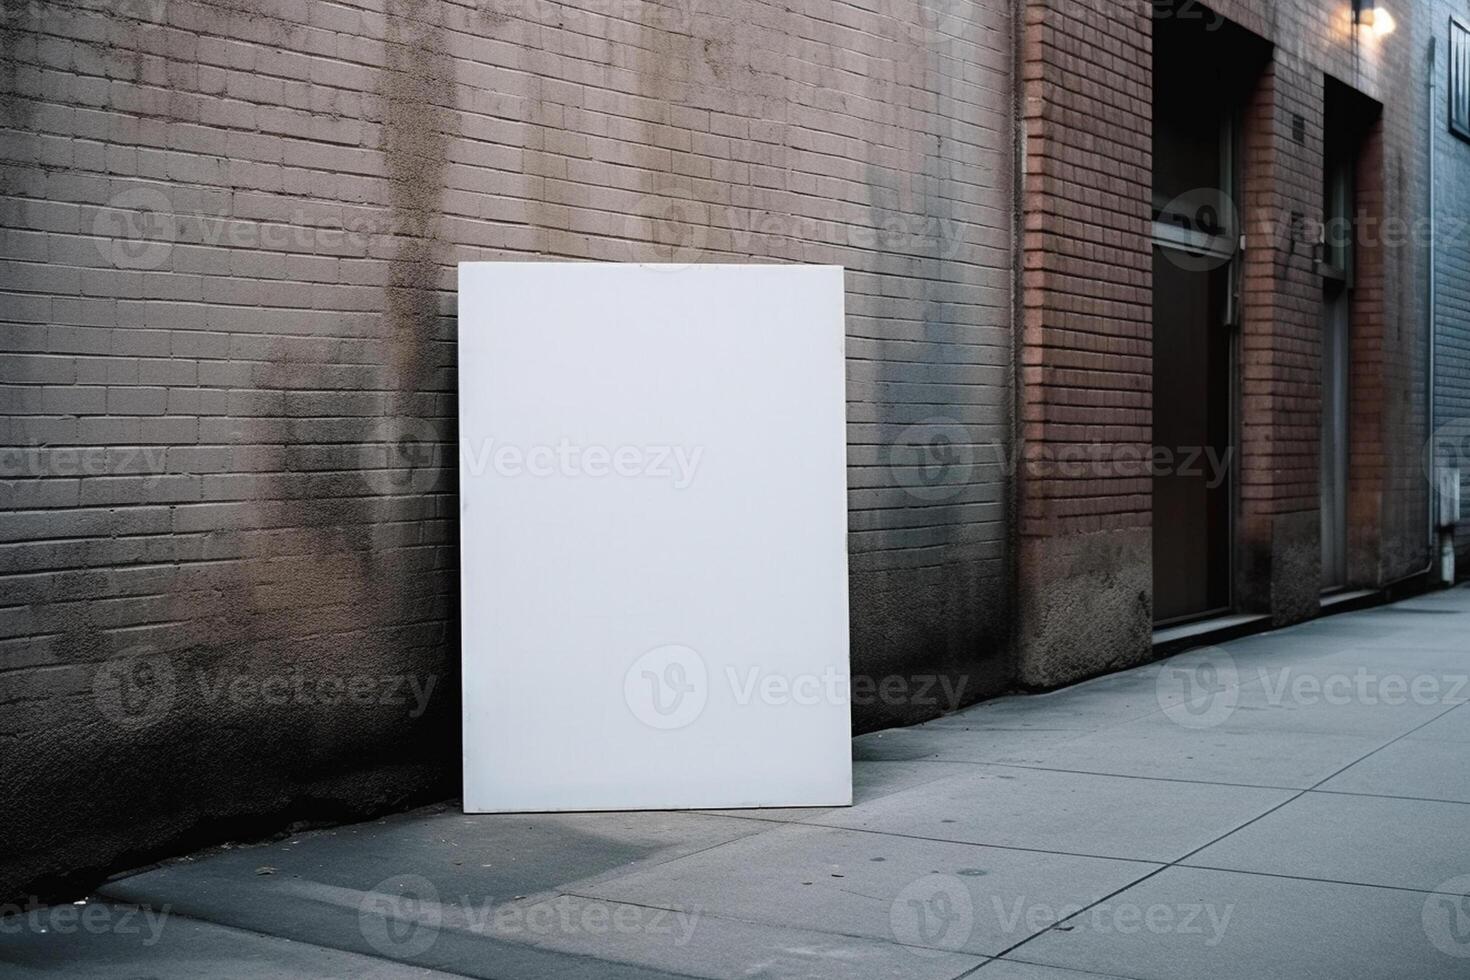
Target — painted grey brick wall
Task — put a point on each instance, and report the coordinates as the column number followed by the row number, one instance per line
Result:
column 227, row 558
column 1452, row 321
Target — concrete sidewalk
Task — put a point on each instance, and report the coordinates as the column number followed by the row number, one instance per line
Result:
column 1292, row 805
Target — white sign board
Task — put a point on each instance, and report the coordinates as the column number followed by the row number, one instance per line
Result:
column 653, row 532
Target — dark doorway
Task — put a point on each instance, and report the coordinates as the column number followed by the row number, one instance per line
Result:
column 1202, row 72
column 1193, row 350
column 1336, row 323
column 1346, row 117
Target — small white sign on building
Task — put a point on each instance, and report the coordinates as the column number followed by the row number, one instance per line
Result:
column 653, row 534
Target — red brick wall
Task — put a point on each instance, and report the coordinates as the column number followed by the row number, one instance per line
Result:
column 1280, row 343
column 1086, row 333
column 1087, row 277
column 1387, row 493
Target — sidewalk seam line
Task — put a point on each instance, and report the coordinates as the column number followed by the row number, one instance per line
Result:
column 728, row 917
column 1180, row 861
column 233, row 927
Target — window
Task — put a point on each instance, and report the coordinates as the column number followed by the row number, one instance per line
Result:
column 1460, row 78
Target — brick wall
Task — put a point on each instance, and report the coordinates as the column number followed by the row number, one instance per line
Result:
column 1388, row 492
column 1279, row 533
column 227, row 568
column 1395, row 304
column 1084, row 550
column 1085, row 335
column 227, row 575
column 1452, row 407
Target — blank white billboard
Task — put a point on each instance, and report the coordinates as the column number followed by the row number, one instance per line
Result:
column 653, row 531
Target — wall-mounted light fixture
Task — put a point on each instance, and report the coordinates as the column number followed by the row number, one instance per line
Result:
column 1369, row 15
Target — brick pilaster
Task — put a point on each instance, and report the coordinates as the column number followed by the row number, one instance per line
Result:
column 1085, row 375
column 1279, row 536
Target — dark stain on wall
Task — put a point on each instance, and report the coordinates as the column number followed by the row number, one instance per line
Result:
column 134, row 747
column 13, row 111
column 417, row 93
